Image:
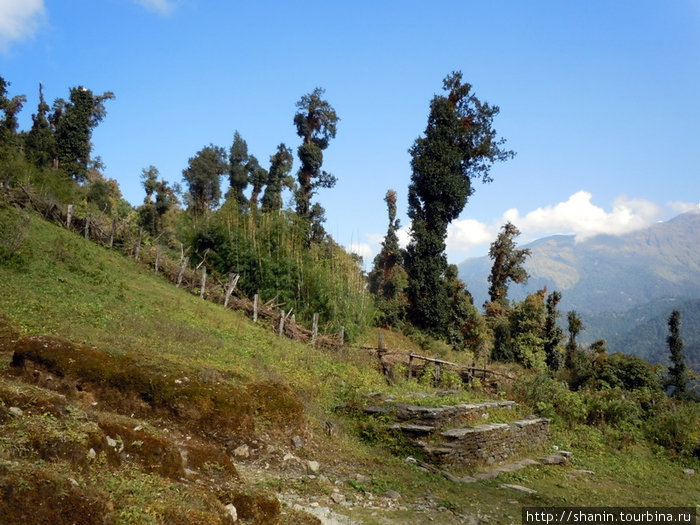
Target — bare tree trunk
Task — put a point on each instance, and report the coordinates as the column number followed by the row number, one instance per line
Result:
column 204, row 282
column 69, row 216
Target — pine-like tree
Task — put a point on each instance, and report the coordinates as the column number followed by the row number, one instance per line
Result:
column 553, row 335
column 507, row 264
column 678, row 371
column 387, row 280
column 203, row 177
column 459, row 146
column 278, row 178
column 74, row 122
column 238, row 170
column 40, row 145
column 316, row 122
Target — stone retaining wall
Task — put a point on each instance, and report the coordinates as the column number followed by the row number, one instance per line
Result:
column 491, row 443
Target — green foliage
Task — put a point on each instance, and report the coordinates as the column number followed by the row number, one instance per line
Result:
column 238, row 172
column 203, row 177
column 459, row 145
column 387, row 281
column 678, row 371
column 316, row 122
column 278, row 177
column 268, row 251
column 40, row 144
column 625, row 371
column 553, row 335
column 74, row 122
column 507, row 264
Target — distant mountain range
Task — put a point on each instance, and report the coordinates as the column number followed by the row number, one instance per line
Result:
column 606, row 273
column 623, row 286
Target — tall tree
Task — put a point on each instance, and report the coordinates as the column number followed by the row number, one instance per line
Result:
column 316, row 122
column 74, row 124
column 507, row 264
column 203, row 177
column 10, row 108
column 459, row 146
column 40, row 145
column 278, row 178
column 678, row 371
column 387, row 280
column 553, row 335
column 238, row 169
column 258, row 178
column 574, row 327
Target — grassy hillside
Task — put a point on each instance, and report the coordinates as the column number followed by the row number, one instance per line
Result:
column 132, row 401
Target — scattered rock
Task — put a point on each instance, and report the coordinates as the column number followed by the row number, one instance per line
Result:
column 73, row 482
column 289, row 457
column 554, row 459
column 313, row 467
column 91, row 454
column 391, row 494
column 16, row 411
column 689, row 472
column 566, row 453
column 297, row 442
column 242, row 452
column 337, row 498
column 583, row 471
column 519, row 488
column 361, row 478
column 232, row 512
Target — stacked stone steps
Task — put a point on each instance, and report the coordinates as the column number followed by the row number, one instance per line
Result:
column 448, row 436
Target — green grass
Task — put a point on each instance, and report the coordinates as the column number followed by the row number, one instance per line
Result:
column 53, row 282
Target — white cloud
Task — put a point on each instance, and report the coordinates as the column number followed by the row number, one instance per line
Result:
column 464, row 235
column 683, row 207
column 579, row 216
column 19, row 19
column 163, row 7
column 362, row 249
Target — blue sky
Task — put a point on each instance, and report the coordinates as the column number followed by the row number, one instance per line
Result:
column 600, row 99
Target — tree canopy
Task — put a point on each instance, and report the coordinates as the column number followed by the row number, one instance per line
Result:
column 459, row 146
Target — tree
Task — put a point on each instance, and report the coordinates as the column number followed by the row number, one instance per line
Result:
column 315, row 121
column 507, row 264
column 553, row 335
column 574, row 327
column 278, row 177
column 203, row 177
column 387, row 280
column 40, row 145
column 238, row 169
column 74, row 122
column 459, row 146
column 258, row 178
column 678, row 371
column 10, row 108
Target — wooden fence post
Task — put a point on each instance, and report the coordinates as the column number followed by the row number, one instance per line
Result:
column 256, row 298
column 137, row 252
column 185, row 260
column 281, row 328
column 204, row 282
column 233, row 280
column 341, row 335
column 314, row 329
column 157, row 259
column 69, row 216
column 112, row 233
column 410, row 366
column 437, row 372
column 87, row 228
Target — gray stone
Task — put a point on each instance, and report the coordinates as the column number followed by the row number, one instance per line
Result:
column 313, row 467
column 689, row 472
column 337, row 498
column 242, row 452
column 297, row 442
column 16, row 411
column 232, row 512
column 554, row 459
column 391, row 494
column 519, row 488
